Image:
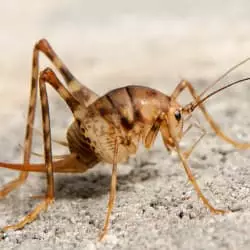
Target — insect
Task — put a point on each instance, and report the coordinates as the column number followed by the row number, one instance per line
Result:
column 105, row 129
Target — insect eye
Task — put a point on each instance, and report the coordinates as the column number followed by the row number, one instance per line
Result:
column 177, row 115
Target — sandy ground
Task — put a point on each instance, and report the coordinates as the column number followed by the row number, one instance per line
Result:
column 108, row 45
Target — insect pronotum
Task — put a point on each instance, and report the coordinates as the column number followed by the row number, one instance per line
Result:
column 105, row 129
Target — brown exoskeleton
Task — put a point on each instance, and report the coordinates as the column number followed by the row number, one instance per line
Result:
column 105, row 129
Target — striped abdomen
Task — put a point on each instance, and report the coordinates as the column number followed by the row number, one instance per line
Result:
column 124, row 114
column 133, row 104
column 81, row 145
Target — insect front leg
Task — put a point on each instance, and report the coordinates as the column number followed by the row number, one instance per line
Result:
column 186, row 85
column 181, row 86
column 195, row 184
column 188, row 152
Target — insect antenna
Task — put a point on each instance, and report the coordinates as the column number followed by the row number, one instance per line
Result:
column 191, row 106
column 224, row 75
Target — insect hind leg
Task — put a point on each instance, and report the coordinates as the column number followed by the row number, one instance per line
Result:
column 47, row 76
column 13, row 184
column 82, row 93
column 29, row 127
column 79, row 91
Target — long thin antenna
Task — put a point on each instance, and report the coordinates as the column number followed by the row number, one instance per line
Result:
column 191, row 106
column 224, row 75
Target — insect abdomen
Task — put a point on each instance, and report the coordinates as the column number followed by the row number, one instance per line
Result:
column 124, row 114
column 81, row 145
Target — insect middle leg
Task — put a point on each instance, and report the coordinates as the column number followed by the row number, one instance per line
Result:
column 112, row 193
column 49, row 77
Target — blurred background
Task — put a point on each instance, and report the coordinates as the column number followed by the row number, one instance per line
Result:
column 109, row 44
column 112, row 43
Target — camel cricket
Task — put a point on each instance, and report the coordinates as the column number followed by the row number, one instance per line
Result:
column 105, row 129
